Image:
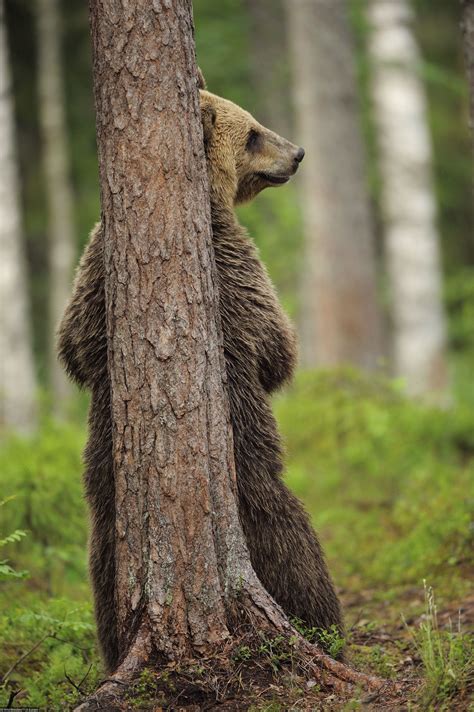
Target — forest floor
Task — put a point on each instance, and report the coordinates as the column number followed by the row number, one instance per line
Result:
column 268, row 679
column 388, row 484
column 430, row 659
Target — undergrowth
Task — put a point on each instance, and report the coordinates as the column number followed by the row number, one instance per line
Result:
column 447, row 655
column 388, row 484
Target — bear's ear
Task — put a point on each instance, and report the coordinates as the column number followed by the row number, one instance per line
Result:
column 201, row 82
column 208, row 115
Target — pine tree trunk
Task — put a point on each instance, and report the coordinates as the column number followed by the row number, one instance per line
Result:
column 411, row 236
column 17, row 376
column 184, row 582
column 180, row 551
column 339, row 315
column 57, row 181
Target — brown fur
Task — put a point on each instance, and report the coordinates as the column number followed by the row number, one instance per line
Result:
column 260, row 354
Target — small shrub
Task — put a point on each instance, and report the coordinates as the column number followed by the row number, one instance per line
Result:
column 44, row 474
column 49, row 646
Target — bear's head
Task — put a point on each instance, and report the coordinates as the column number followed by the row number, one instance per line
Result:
column 243, row 157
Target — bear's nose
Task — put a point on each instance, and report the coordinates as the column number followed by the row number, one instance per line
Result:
column 299, row 155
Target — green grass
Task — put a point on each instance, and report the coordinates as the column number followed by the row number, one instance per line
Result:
column 447, row 656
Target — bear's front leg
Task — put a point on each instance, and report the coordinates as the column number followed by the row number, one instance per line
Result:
column 82, row 333
column 276, row 350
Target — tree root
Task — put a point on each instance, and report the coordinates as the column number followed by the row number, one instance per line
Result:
column 317, row 669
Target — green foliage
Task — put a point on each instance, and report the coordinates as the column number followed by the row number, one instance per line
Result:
column 44, row 474
column 330, row 639
column 47, row 647
column 460, row 302
column 6, row 570
column 387, row 480
column 222, row 48
column 277, row 650
column 447, row 655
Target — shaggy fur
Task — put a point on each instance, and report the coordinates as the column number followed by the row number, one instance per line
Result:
column 260, row 352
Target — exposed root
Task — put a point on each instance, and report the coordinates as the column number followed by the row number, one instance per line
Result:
column 252, row 666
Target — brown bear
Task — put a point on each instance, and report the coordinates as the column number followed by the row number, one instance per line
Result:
column 243, row 158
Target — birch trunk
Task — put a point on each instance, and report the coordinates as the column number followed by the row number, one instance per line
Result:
column 17, row 376
column 411, row 235
column 340, row 320
column 58, row 185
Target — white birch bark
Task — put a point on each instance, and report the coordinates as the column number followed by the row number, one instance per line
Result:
column 340, row 320
column 17, row 376
column 411, row 236
column 58, row 185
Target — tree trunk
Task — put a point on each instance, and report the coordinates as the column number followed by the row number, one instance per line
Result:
column 468, row 32
column 173, row 453
column 269, row 64
column 17, row 376
column 339, row 314
column 411, row 236
column 58, row 185
column 183, row 581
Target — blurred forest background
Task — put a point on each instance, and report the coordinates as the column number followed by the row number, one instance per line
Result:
column 372, row 251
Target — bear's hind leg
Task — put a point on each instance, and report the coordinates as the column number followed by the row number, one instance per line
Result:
column 288, row 559
column 100, row 493
column 102, row 573
column 284, row 549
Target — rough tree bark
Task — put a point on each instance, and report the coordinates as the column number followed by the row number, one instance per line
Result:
column 17, row 375
column 340, row 320
column 57, row 181
column 411, row 236
column 184, row 577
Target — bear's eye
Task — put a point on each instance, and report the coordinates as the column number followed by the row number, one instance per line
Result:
column 254, row 140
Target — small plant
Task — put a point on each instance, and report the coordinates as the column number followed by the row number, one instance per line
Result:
column 277, row 650
column 6, row 571
column 144, row 691
column 242, row 653
column 330, row 639
column 447, row 655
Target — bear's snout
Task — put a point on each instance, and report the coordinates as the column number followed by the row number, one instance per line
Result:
column 299, row 155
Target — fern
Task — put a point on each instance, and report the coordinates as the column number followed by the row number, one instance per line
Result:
column 6, row 571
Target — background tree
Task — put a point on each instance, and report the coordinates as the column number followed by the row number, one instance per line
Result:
column 17, row 375
column 411, row 236
column 57, row 182
column 339, row 320
column 468, row 31
column 269, row 66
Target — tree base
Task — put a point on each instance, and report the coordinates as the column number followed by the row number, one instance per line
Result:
column 255, row 668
